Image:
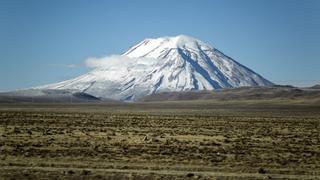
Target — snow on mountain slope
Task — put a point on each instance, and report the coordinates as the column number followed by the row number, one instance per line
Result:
column 179, row 63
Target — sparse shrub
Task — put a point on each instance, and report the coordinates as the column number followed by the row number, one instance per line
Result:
column 70, row 172
column 16, row 130
column 190, row 175
column 85, row 172
column 261, row 171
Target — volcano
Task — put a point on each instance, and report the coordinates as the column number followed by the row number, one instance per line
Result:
column 166, row 64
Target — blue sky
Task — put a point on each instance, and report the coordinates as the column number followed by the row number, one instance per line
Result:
column 45, row 41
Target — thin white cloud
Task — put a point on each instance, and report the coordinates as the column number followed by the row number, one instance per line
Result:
column 72, row 65
column 64, row 65
column 118, row 61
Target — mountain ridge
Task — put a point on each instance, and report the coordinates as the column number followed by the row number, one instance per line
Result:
column 179, row 63
column 277, row 92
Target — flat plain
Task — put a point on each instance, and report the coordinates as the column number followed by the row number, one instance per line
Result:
column 161, row 140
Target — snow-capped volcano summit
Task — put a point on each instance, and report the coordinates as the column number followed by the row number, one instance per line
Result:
column 155, row 47
column 179, row 63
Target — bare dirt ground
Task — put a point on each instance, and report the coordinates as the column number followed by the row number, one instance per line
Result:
column 171, row 140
